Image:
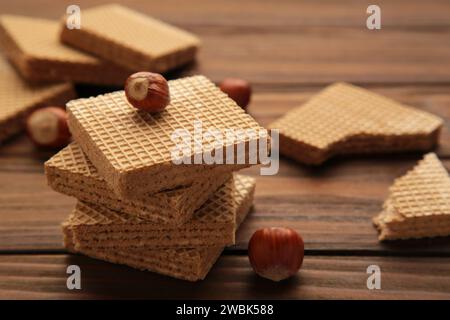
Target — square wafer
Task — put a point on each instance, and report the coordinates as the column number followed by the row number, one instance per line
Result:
column 131, row 39
column 212, row 225
column 18, row 99
column 134, row 150
column 33, row 46
column 345, row 119
column 418, row 204
column 183, row 263
column 70, row 172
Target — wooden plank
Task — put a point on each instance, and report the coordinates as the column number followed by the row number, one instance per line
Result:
column 303, row 43
column 31, row 213
column 267, row 105
column 334, row 211
column 44, row 277
column 254, row 13
column 322, row 55
column 288, row 50
column 331, row 206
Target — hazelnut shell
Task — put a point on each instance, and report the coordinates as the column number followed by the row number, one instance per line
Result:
column 237, row 89
column 147, row 91
column 47, row 127
column 276, row 253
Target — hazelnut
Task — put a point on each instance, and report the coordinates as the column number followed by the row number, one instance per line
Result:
column 47, row 127
column 237, row 89
column 147, row 91
column 276, row 253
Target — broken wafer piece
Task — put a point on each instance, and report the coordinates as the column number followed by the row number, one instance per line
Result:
column 33, row 46
column 345, row 119
column 70, row 172
column 184, row 263
column 131, row 39
column 212, row 225
column 137, row 152
column 18, row 99
column 418, row 204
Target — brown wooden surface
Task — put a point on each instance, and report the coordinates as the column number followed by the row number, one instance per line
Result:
column 288, row 50
column 286, row 43
column 44, row 276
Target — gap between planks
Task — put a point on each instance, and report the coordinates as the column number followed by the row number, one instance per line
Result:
column 243, row 252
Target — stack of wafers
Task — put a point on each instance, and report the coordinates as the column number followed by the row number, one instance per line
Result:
column 111, row 43
column 418, row 205
column 141, row 201
column 138, row 204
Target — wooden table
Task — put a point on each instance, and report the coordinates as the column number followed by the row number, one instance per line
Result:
column 288, row 50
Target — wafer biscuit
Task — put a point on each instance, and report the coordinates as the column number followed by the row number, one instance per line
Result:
column 18, row 99
column 131, row 39
column 183, row 263
column 212, row 225
column 390, row 229
column 418, row 204
column 344, row 119
column 33, row 46
column 133, row 150
column 70, row 172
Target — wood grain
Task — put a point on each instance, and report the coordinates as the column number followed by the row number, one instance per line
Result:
column 332, row 206
column 44, row 276
column 288, row 50
column 300, row 42
column 254, row 13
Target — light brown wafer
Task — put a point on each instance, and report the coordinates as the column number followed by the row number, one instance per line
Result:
column 132, row 149
column 70, row 172
column 33, row 45
column 409, row 228
column 418, row 204
column 131, row 39
column 185, row 263
column 345, row 119
column 212, row 225
column 18, row 99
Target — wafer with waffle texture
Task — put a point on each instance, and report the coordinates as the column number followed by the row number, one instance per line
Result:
column 18, row 99
column 134, row 150
column 345, row 119
column 33, row 46
column 184, row 263
column 418, row 204
column 212, row 225
column 70, row 172
column 131, row 39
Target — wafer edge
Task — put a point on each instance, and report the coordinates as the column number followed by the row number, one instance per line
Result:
column 16, row 122
column 84, row 38
column 312, row 155
column 209, row 261
column 176, row 213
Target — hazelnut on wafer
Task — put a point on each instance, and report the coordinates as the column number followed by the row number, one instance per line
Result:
column 47, row 127
column 147, row 91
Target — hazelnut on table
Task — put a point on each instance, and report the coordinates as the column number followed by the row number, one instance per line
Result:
column 237, row 89
column 276, row 253
column 47, row 127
